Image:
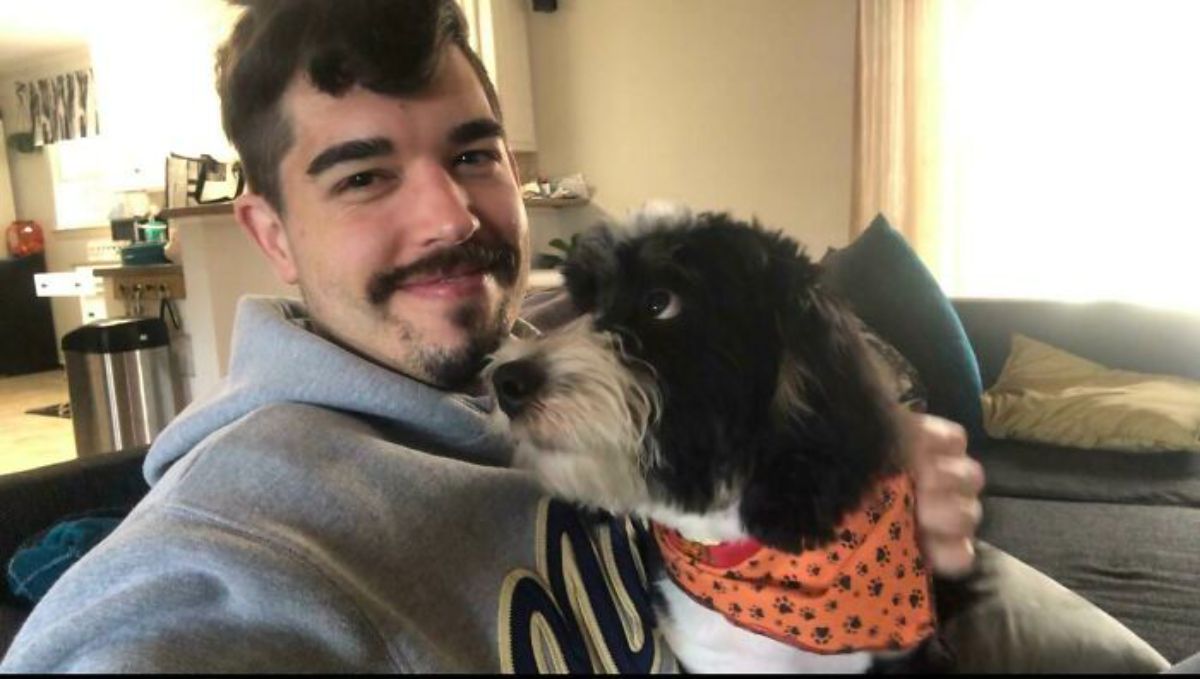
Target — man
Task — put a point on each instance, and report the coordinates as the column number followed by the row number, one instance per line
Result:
column 343, row 503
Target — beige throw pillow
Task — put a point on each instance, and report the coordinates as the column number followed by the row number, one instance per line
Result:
column 1047, row 395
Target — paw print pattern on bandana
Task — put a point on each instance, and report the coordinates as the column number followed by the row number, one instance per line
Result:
column 916, row 598
column 849, row 539
column 875, row 588
column 853, row 624
column 866, row 590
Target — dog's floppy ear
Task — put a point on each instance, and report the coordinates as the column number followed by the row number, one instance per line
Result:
column 833, row 431
column 591, row 263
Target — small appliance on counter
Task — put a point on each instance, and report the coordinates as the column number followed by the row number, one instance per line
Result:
column 149, row 238
column 143, row 253
column 202, row 181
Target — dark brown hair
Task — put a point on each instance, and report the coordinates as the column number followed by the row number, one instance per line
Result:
column 390, row 47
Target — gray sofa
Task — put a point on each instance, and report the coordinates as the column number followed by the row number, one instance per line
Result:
column 1120, row 529
column 1123, row 530
column 34, row 500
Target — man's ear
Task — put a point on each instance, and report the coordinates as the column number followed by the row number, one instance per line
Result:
column 265, row 227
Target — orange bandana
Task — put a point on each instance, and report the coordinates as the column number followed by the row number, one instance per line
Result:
column 867, row 591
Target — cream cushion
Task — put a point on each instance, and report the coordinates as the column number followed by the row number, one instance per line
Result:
column 1047, row 395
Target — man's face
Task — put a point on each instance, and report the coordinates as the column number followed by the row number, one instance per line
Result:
column 402, row 222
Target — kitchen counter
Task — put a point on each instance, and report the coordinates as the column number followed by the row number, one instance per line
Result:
column 198, row 211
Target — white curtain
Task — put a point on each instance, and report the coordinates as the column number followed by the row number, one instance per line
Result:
column 1052, row 147
column 896, row 140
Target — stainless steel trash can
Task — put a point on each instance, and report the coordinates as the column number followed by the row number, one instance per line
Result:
column 122, row 383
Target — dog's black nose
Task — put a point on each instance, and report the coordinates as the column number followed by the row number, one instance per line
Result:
column 517, row 384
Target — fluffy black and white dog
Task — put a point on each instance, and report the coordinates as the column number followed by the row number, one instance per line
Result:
column 712, row 387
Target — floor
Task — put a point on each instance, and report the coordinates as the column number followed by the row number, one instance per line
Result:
column 29, row 441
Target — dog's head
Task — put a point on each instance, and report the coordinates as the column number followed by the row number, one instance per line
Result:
column 709, row 376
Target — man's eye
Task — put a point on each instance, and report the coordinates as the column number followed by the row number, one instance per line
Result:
column 478, row 159
column 358, row 181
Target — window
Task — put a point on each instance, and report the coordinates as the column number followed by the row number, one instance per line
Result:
column 1036, row 148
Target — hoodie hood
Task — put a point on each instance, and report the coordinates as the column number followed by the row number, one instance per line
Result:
column 277, row 358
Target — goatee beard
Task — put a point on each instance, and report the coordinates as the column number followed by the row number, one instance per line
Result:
column 455, row 369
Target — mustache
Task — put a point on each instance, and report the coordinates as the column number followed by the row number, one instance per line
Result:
column 501, row 260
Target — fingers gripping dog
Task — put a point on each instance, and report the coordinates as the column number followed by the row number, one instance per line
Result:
column 712, row 387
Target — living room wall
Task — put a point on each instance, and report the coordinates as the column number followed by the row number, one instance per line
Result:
column 745, row 106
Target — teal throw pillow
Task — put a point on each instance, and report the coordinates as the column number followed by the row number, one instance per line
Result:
column 890, row 289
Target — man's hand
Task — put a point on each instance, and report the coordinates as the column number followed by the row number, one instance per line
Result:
column 948, row 483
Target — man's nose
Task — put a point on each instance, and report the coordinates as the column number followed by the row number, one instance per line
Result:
column 440, row 208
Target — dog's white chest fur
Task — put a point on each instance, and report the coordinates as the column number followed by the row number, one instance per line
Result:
column 705, row 642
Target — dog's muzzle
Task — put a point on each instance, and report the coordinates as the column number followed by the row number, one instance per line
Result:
column 517, row 384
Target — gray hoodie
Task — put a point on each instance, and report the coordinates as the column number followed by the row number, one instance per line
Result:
column 321, row 513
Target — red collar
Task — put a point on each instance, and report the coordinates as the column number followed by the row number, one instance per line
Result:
column 730, row 554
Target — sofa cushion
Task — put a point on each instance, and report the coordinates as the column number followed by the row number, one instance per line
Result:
column 1011, row 618
column 886, row 284
column 1034, row 470
column 1048, row 395
column 33, row 500
column 1137, row 563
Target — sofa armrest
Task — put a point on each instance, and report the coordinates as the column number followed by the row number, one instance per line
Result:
column 33, row 500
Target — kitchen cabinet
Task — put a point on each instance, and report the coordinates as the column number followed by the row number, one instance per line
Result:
column 27, row 342
column 499, row 35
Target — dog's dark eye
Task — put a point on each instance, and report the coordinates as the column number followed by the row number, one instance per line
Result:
column 662, row 304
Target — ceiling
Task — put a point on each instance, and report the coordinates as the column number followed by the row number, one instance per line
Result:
column 37, row 29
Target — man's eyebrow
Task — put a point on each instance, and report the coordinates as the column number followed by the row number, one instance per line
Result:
column 356, row 149
column 474, row 130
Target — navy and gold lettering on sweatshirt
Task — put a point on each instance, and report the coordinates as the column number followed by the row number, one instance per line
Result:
column 587, row 609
